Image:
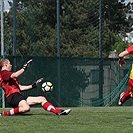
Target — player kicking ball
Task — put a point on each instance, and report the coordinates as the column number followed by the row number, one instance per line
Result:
column 124, row 96
column 20, row 104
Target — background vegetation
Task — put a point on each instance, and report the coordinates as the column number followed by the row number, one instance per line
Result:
column 79, row 27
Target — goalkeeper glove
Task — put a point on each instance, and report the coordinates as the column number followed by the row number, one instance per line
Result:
column 37, row 82
column 27, row 64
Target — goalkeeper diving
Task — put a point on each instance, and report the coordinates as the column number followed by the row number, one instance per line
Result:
column 14, row 97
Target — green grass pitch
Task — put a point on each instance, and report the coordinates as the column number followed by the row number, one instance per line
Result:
column 80, row 120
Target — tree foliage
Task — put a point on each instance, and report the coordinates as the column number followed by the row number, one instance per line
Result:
column 36, row 30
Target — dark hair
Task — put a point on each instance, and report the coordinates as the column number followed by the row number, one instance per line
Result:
column 2, row 62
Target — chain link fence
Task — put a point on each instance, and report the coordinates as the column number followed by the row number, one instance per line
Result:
column 79, row 80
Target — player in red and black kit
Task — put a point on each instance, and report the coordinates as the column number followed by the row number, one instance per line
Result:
column 20, row 104
column 129, row 94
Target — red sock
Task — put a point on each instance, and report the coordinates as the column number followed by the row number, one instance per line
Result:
column 49, row 107
column 126, row 96
column 11, row 112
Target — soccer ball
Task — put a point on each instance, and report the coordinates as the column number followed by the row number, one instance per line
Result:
column 47, row 87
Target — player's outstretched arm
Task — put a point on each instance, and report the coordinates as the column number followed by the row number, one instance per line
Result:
column 121, row 60
column 25, row 87
column 19, row 72
column 27, row 64
column 37, row 82
column 129, row 50
column 22, row 87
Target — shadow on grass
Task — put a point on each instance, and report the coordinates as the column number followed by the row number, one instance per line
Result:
column 31, row 114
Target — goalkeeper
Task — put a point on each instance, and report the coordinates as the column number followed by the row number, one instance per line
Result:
column 129, row 93
column 20, row 104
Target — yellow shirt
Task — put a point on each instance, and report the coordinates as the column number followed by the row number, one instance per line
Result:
column 131, row 73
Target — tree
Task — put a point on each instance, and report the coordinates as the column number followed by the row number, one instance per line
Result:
column 79, row 27
column 120, row 45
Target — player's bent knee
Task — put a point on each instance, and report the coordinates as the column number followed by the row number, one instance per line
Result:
column 25, row 109
column 42, row 100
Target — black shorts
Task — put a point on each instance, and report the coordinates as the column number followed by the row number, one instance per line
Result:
column 14, row 99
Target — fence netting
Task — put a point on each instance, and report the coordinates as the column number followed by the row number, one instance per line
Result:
column 77, row 82
column 61, row 53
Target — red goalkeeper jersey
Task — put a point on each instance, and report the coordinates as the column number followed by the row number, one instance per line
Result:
column 9, row 85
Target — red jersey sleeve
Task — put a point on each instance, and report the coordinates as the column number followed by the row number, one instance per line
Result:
column 8, row 84
column 130, row 49
column 6, row 75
